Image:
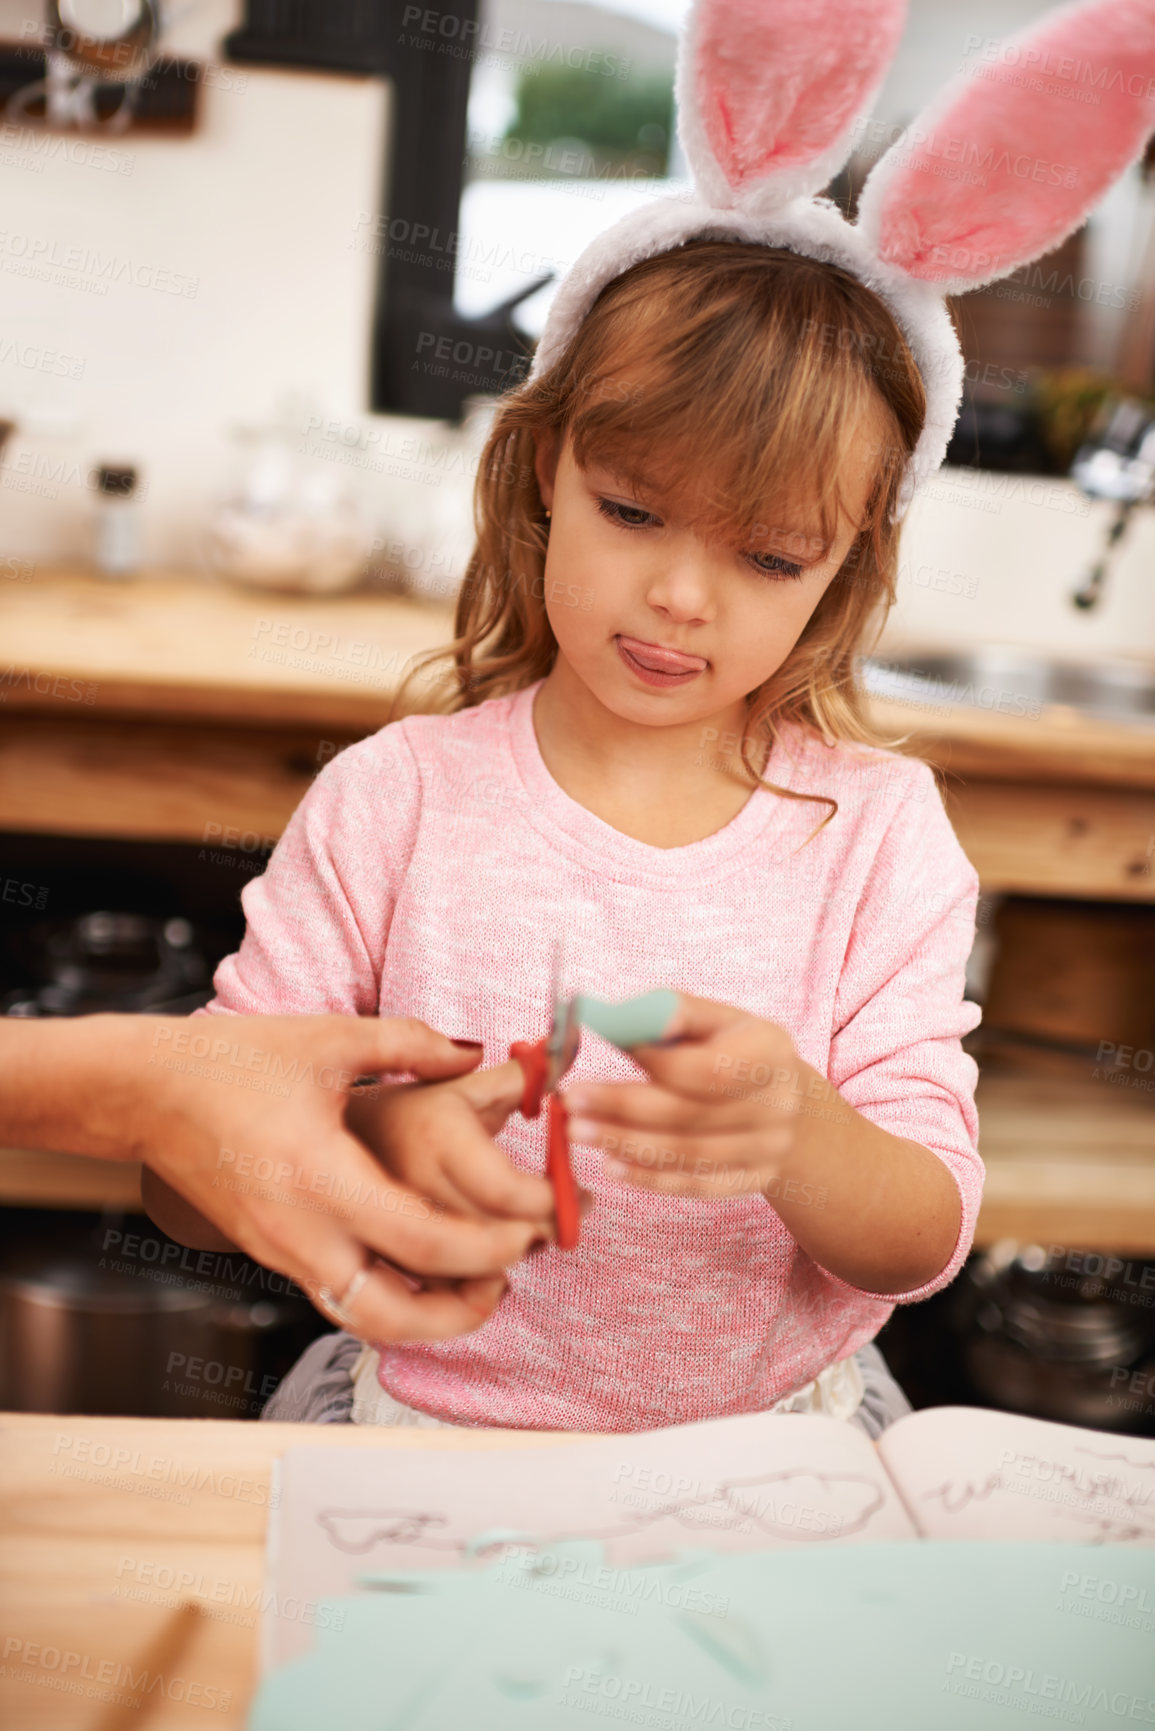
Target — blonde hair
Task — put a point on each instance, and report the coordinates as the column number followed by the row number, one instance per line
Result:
column 734, row 371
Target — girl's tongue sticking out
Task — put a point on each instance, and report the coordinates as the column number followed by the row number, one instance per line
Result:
column 656, row 664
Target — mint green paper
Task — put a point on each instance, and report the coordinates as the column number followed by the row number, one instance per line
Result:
column 929, row 1636
column 637, row 1022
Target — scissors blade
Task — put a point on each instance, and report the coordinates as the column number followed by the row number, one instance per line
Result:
column 564, row 1033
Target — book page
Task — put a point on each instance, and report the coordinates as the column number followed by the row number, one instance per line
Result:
column 762, row 1480
column 966, row 1473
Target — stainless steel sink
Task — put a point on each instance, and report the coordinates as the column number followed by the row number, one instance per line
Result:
column 1013, row 682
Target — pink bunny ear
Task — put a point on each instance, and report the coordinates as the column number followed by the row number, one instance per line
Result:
column 1015, row 152
column 768, row 91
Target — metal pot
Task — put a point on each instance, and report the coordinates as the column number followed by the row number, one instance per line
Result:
column 106, row 1315
column 113, row 961
column 1051, row 1350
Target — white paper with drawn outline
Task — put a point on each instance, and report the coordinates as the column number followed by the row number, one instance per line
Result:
column 756, row 1482
column 966, row 1473
column 732, row 1484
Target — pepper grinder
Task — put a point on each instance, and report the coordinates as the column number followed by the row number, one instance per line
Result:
column 117, row 533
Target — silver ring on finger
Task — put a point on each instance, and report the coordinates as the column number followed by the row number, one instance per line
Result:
column 339, row 1308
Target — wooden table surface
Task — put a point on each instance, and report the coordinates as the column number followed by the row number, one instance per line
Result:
column 132, row 1557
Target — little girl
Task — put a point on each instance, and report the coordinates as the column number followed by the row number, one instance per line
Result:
column 656, row 750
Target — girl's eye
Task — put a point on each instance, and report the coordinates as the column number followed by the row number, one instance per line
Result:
column 633, row 517
column 628, row 516
column 777, row 567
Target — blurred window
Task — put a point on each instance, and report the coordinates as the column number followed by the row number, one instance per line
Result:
column 570, row 125
column 564, row 109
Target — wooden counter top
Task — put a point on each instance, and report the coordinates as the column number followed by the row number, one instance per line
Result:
column 174, row 646
column 1060, row 745
column 169, row 645
column 111, row 1526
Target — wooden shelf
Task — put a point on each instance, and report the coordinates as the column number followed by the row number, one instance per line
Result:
column 37, row 1180
column 1025, row 838
column 1069, row 1161
column 161, row 782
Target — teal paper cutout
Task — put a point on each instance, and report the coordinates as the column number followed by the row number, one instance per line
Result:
column 640, row 1021
column 729, row 1640
column 949, row 1635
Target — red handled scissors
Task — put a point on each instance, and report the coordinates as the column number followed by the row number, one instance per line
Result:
column 543, row 1064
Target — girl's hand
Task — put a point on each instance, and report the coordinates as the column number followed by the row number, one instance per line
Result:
column 733, row 1110
column 435, row 1137
column 720, row 1117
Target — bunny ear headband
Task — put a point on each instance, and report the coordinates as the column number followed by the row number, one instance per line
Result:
column 1005, row 163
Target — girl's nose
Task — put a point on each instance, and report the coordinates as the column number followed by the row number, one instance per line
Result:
column 682, row 588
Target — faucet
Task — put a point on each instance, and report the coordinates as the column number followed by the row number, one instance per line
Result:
column 1117, row 462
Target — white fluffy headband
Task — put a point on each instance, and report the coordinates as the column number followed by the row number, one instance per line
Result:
column 1005, row 163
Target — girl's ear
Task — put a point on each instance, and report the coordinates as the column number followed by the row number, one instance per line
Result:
column 1012, row 155
column 768, row 92
column 546, row 448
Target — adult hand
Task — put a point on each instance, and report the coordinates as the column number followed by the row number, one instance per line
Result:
column 295, row 1187
column 255, row 1138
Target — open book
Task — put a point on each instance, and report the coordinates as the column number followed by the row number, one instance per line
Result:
column 760, row 1481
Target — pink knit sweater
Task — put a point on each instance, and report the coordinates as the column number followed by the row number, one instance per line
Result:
column 428, row 872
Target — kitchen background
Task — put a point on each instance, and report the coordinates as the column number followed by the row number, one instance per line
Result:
column 262, row 271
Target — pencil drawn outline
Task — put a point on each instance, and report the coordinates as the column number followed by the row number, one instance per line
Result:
column 412, row 1526
column 411, row 1522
